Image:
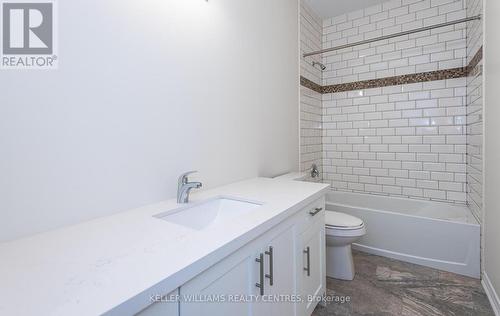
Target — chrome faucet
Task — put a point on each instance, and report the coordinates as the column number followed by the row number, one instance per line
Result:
column 184, row 187
column 314, row 171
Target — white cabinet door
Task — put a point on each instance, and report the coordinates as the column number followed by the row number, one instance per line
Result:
column 283, row 272
column 167, row 308
column 279, row 274
column 238, row 275
column 231, row 278
column 312, row 277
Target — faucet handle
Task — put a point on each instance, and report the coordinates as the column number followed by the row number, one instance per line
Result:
column 183, row 178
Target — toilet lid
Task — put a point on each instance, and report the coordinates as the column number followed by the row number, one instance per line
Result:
column 337, row 219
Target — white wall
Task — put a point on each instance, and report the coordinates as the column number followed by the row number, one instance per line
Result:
column 492, row 145
column 146, row 90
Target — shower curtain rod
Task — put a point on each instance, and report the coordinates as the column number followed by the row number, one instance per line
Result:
column 422, row 29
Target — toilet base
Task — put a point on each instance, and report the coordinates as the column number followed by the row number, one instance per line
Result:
column 339, row 262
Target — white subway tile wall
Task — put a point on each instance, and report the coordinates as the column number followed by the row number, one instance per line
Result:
column 419, row 140
column 310, row 40
column 437, row 49
column 406, row 140
column 310, row 101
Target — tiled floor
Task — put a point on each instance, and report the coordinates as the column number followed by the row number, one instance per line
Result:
column 386, row 287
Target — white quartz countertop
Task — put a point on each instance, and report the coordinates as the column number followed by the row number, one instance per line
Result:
column 114, row 264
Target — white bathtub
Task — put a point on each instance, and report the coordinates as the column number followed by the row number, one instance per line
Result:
column 438, row 235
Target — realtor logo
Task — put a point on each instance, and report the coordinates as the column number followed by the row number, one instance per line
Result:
column 28, row 35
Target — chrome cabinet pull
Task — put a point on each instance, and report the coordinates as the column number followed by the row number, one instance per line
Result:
column 260, row 285
column 316, row 211
column 271, row 267
column 308, row 268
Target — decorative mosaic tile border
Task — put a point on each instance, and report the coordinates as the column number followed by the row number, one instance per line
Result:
column 311, row 85
column 398, row 80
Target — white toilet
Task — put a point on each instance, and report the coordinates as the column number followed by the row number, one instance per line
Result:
column 341, row 231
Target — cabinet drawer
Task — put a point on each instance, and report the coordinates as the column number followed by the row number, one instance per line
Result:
column 311, row 214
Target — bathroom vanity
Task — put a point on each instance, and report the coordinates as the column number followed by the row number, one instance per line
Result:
column 168, row 259
column 278, row 273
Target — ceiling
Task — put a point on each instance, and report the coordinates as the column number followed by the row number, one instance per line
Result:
column 330, row 8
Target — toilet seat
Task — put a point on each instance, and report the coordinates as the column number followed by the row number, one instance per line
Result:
column 343, row 225
column 342, row 221
column 350, row 232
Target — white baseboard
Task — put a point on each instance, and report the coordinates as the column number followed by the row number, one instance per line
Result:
column 492, row 294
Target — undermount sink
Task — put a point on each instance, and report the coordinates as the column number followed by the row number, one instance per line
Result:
column 208, row 213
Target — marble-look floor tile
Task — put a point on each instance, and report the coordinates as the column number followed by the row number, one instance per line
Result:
column 387, row 287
